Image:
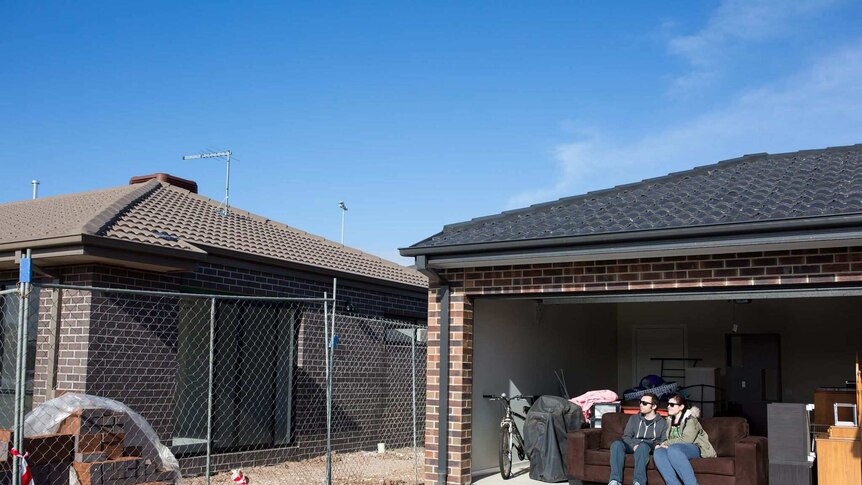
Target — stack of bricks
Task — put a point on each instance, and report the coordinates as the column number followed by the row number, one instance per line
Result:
column 92, row 443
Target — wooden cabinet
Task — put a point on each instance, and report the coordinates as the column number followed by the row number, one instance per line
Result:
column 839, row 457
column 823, row 401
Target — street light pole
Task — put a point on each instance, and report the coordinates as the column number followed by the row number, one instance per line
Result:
column 343, row 211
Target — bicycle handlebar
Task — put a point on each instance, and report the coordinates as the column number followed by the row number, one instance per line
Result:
column 524, row 397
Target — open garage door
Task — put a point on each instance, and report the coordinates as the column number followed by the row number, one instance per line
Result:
column 518, row 343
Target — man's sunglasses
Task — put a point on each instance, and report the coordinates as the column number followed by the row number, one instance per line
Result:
column 646, row 403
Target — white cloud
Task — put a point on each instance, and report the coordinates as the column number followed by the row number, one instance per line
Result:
column 737, row 23
column 815, row 108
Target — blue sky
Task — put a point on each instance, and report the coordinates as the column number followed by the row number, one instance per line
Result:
column 416, row 114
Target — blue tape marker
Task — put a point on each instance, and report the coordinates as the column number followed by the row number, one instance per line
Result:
column 334, row 341
column 26, row 271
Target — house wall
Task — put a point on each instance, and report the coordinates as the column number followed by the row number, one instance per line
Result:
column 519, row 345
column 810, row 268
column 126, row 349
column 819, row 336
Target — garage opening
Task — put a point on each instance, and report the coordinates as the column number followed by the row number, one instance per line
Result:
column 763, row 347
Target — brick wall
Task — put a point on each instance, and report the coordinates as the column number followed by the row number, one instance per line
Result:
column 796, row 268
column 126, row 349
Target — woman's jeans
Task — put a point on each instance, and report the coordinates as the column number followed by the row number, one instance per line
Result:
column 673, row 462
column 619, row 449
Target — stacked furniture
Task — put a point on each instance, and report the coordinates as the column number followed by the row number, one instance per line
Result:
column 742, row 459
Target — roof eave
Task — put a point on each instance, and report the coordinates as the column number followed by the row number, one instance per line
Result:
column 215, row 250
column 654, row 249
column 84, row 249
column 643, row 237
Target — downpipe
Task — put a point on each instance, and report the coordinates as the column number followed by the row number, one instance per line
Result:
column 443, row 403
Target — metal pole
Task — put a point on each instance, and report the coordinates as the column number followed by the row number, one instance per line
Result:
column 35, row 188
column 413, row 360
column 331, row 368
column 343, row 210
column 227, row 186
column 21, row 373
column 328, row 393
column 210, row 389
column 19, row 378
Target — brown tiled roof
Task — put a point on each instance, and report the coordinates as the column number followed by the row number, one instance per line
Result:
column 64, row 215
column 161, row 214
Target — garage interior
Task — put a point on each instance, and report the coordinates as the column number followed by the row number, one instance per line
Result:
column 607, row 342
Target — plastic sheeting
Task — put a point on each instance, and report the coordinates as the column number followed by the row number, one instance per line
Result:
column 548, row 421
column 46, row 419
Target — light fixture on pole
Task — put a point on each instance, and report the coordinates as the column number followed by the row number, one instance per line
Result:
column 343, row 211
column 226, row 201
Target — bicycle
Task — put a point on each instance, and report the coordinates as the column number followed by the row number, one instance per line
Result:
column 510, row 437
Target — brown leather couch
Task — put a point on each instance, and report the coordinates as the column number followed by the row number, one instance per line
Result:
column 742, row 459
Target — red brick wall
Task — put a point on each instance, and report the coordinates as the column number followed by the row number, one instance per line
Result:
column 799, row 268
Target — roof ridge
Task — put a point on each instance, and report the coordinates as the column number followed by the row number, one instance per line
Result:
column 273, row 222
column 113, row 211
column 541, row 205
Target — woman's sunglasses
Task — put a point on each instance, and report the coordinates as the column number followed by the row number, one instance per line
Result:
column 673, row 404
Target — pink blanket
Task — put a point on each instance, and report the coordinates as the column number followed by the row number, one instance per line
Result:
column 586, row 400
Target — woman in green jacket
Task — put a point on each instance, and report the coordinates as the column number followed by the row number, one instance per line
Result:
column 686, row 440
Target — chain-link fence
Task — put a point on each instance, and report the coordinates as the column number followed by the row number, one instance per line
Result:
column 130, row 387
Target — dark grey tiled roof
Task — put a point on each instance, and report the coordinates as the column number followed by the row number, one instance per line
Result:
column 753, row 188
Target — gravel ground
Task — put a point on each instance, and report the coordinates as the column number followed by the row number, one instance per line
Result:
column 394, row 467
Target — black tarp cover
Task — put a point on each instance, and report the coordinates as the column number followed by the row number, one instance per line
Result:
column 548, row 421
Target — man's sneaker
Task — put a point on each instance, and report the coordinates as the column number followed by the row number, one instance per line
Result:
column 614, row 482
column 636, row 483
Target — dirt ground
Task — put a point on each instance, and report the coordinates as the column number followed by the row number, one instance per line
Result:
column 394, row 467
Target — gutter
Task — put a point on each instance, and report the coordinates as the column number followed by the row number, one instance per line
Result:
column 308, row 268
column 710, row 231
column 443, row 403
column 658, row 248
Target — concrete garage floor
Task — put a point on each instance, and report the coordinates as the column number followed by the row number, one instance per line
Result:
column 520, row 476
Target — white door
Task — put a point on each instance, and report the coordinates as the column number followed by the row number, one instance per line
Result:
column 652, row 342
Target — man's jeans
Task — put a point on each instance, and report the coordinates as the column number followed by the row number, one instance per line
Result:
column 673, row 461
column 619, row 449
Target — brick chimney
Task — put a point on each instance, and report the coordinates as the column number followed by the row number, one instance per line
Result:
column 167, row 178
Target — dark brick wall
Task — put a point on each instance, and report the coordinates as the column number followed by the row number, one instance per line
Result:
column 125, row 347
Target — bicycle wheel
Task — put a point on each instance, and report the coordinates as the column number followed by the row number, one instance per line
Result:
column 505, row 452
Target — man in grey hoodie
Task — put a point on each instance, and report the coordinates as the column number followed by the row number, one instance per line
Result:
column 643, row 432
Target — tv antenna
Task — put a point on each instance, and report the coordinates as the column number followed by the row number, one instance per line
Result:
column 226, row 154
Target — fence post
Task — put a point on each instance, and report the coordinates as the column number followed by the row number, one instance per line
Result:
column 330, row 358
column 210, row 389
column 328, row 390
column 21, row 361
column 20, row 377
column 413, row 361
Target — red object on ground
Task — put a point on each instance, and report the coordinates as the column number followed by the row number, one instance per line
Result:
column 238, row 477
